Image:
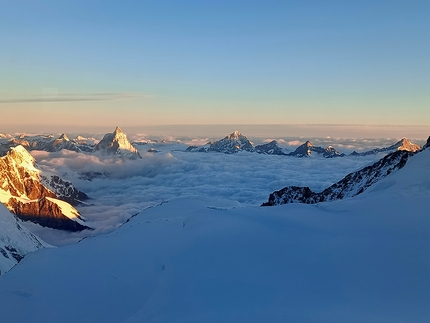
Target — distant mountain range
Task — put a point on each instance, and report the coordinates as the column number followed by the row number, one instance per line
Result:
column 352, row 184
column 112, row 144
column 236, row 142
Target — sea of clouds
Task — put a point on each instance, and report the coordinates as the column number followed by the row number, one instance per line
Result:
column 124, row 188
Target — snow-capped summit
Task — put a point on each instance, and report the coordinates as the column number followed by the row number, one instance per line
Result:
column 405, row 144
column 230, row 144
column 63, row 136
column 402, row 144
column 116, row 143
column 23, row 192
column 234, row 135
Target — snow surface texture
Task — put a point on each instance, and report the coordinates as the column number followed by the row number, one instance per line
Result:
column 15, row 240
column 210, row 260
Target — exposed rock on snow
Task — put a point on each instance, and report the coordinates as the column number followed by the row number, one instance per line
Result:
column 64, row 190
column 23, row 192
column 231, row 144
column 117, row 144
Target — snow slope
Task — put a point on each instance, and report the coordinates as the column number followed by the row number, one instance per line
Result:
column 358, row 260
column 15, row 240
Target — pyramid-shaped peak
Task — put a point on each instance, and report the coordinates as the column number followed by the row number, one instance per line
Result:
column 308, row 144
column 118, row 130
column 64, row 137
column 405, row 144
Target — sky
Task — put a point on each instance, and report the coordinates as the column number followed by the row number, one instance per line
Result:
column 88, row 64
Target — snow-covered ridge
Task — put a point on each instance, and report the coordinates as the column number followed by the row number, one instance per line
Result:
column 351, row 185
column 15, row 241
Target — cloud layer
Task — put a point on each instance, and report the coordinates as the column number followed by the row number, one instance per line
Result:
column 128, row 187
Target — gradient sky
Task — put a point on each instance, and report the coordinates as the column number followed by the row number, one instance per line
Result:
column 133, row 63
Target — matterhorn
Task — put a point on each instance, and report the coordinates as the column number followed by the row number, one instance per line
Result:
column 117, row 144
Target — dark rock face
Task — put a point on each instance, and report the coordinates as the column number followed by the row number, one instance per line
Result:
column 231, row 144
column 44, row 212
column 351, row 185
column 270, row 148
column 64, row 190
column 427, row 145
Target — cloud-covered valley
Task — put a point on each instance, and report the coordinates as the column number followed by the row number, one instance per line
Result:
column 121, row 188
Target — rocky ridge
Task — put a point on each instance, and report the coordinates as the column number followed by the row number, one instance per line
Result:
column 351, row 185
column 23, row 192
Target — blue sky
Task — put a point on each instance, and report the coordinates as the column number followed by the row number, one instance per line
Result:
column 227, row 62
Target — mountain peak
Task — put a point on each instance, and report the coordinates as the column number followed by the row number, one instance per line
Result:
column 405, row 144
column 21, row 155
column 234, row 135
column 116, row 143
column 64, row 137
